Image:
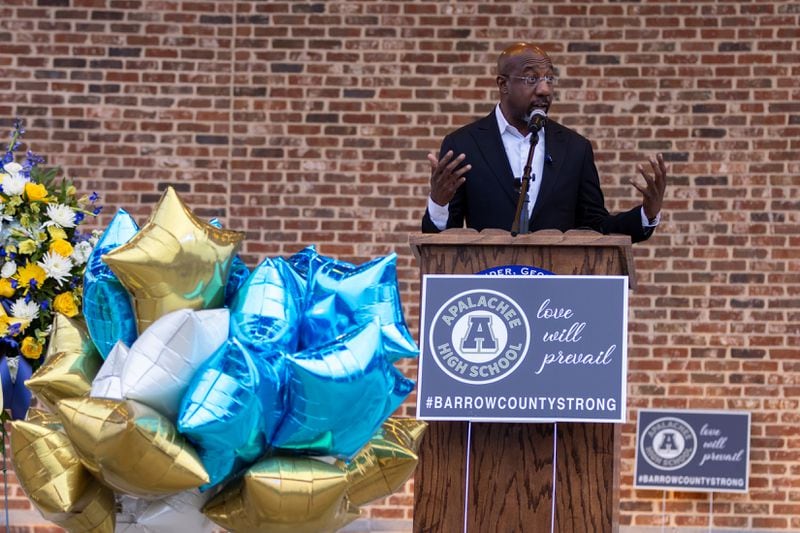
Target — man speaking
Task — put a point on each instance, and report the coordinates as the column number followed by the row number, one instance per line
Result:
column 477, row 177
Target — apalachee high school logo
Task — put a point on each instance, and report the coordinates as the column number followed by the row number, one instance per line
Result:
column 479, row 336
column 668, row 443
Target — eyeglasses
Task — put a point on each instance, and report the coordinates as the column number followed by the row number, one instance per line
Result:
column 534, row 81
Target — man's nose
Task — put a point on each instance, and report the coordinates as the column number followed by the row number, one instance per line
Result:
column 543, row 88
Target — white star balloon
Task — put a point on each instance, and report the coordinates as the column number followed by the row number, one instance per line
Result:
column 164, row 358
column 107, row 382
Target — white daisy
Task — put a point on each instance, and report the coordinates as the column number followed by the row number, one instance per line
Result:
column 56, row 266
column 9, row 269
column 61, row 215
column 13, row 184
column 12, row 168
column 81, row 252
column 25, row 311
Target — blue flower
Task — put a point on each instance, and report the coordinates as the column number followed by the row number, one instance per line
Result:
column 32, row 160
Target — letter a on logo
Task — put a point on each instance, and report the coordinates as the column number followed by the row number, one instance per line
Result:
column 668, row 442
column 479, row 336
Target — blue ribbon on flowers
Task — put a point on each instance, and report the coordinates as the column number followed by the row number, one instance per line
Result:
column 16, row 395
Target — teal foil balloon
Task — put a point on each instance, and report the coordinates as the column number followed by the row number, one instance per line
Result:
column 232, row 408
column 236, row 278
column 237, row 274
column 308, row 260
column 106, row 303
column 340, row 297
column 339, row 394
column 266, row 313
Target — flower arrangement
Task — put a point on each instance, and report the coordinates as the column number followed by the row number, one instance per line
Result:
column 42, row 252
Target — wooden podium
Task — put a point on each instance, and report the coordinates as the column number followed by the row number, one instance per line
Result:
column 510, row 486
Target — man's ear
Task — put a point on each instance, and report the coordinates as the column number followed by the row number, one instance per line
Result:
column 502, row 84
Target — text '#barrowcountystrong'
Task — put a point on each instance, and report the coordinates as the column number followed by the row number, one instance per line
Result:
column 521, row 403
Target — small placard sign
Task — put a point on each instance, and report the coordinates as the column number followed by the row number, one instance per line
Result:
column 703, row 451
column 523, row 349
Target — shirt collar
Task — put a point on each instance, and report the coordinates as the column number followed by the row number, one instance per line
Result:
column 505, row 126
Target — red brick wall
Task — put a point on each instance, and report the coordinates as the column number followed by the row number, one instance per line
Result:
column 308, row 122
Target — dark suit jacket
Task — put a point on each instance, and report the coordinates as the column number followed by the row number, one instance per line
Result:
column 569, row 198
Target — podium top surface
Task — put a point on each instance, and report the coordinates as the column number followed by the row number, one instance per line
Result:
column 553, row 239
column 498, row 237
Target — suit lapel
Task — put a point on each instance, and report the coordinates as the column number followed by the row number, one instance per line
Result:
column 490, row 144
column 555, row 146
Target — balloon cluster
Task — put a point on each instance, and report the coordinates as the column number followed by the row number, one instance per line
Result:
column 196, row 389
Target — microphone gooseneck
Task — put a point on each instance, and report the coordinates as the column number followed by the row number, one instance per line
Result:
column 536, row 122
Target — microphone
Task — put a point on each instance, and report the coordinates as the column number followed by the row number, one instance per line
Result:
column 536, row 120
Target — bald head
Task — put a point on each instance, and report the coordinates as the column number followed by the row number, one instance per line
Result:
column 514, row 57
column 525, row 79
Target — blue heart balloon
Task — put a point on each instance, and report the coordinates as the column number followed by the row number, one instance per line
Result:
column 339, row 394
column 340, row 297
column 106, row 304
column 232, row 408
column 266, row 313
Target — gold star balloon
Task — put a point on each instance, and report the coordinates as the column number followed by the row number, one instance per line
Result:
column 405, row 431
column 47, row 466
column 95, row 512
column 40, row 417
column 69, row 335
column 285, row 495
column 70, row 366
column 131, row 447
column 54, row 479
column 175, row 261
column 385, row 463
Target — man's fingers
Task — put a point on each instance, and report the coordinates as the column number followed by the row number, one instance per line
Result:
column 447, row 175
column 662, row 165
column 461, row 171
column 647, row 177
column 451, row 166
column 638, row 187
column 433, row 161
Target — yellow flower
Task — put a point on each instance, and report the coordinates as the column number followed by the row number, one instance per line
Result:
column 35, row 191
column 31, row 348
column 61, row 247
column 64, row 303
column 6, row 290
column 7, row 321
column 30, row 271
column 56, row 233
column 27, row 247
